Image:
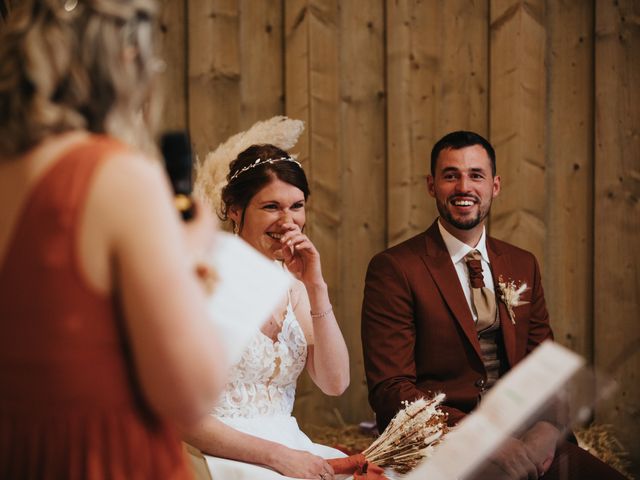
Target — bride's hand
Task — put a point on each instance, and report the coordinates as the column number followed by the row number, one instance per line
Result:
column 301, row 464
column 300, row 255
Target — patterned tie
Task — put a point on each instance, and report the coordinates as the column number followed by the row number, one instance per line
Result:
column 484, row 300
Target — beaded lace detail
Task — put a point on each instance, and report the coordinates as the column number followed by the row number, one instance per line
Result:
column 263, row 382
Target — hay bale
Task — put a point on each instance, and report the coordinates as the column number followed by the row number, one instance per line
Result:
column 601, row 442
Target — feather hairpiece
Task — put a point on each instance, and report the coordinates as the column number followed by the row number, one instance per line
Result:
column 211, row 174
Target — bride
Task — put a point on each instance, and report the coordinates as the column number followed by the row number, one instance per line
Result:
column 251, row 434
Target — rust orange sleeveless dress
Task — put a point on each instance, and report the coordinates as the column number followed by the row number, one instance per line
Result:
column 70, row 405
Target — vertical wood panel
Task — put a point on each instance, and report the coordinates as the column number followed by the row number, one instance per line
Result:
column 261, row 61
column 363, row 198
column 401, row 190
column 324, row 163
column 323, row 168
column 517, row 118
column 617, row 213
column 235, row 67
column 411, row 91
column 437, row 82
column 173, row 50
column 296, row 46
column 569, row 249
column 345, row 108
column 297, row 100
column 214, row 72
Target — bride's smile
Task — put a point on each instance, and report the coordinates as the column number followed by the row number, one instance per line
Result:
column 276, row 209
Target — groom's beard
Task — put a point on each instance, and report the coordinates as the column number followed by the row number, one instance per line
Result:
column 463, row 224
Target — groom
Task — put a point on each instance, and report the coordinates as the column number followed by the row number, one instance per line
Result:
column 434, row 318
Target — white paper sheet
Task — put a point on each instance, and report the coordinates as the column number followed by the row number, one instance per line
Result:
column 248, row 289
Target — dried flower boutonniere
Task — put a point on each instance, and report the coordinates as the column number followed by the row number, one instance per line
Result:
column 510, row 295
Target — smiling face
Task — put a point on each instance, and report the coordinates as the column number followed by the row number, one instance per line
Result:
column 464, row 188
column 277, row 203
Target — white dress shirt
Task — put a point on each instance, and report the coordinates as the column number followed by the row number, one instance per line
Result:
column 457, row 251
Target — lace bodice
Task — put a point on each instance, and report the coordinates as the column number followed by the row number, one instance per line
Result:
column 263, row 382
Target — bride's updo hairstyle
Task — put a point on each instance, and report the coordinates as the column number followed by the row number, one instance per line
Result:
column 75, row 64
column 254, row 169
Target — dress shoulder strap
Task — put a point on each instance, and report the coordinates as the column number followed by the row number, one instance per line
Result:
column 67, row 182
column 45, row 232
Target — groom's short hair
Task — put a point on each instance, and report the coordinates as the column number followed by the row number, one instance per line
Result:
column 461, row 139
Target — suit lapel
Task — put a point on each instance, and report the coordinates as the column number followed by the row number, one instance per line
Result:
column 439, row 264
column 500, row 267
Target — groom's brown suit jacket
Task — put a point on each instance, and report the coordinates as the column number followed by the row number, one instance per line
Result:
column 418, row 334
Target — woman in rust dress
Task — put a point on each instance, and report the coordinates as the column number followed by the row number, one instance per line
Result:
column 105, row 346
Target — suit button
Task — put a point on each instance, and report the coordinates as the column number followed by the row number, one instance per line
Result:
column 480, row 383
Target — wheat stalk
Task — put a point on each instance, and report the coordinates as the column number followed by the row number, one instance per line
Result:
column 410, row 436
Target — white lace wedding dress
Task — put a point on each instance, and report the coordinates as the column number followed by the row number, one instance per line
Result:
column 258, row 400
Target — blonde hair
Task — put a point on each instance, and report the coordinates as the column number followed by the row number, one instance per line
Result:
column 76, row 65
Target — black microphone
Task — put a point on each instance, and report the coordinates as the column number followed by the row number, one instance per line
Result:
column 176, row 150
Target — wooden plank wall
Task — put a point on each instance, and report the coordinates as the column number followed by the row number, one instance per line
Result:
column 173, row 85
column 344, row 111
column 617, row 212
column 569, row 184
column 555, row 86
column 234, row 67
column 517, row 121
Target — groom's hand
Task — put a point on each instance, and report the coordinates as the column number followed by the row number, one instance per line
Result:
column 541, row 440
column 512, row 461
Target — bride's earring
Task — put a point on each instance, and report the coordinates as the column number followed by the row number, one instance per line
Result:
column 235, row 229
